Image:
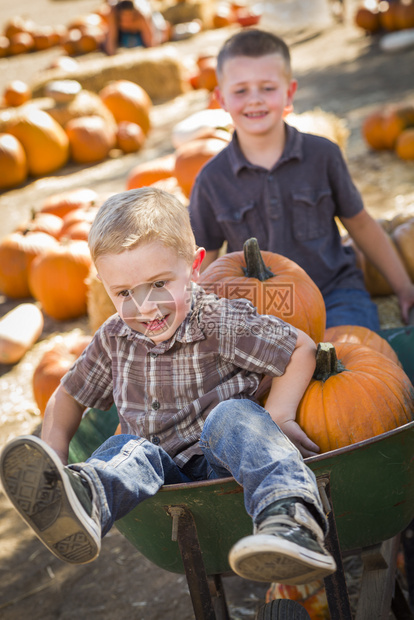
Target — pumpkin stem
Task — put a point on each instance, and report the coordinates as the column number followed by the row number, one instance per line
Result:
column 255, row 267
column 327, row 363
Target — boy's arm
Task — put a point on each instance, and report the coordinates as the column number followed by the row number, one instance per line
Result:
column 111, row 39
column 374, row 243
column 63, row 415
column 287, row 390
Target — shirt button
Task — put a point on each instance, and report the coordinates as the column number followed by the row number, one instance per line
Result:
column 156, row 440
column 270, row 178
column 153, row 354
column 155, row 405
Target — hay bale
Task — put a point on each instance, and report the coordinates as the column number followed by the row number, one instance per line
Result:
column 158, row 70
column 388, row 311
column 181, row 12
column 99, row 305
column 321, row 123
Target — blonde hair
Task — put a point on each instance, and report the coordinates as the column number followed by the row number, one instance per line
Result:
column 138, row 216
column 253, row 43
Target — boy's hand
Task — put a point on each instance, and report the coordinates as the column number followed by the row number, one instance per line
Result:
column 299, row 438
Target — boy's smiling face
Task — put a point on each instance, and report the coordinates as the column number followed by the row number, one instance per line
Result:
column 256, row 92
column 149, row 286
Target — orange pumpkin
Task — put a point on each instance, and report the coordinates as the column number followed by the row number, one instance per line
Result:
column 90, row 139
column 150, row 172
column 356, row 334
column 223, row 16
column 207, row 77
column 13, row 162
column 17, row 25
column 394, row 122
column 4, row 46
column 42, row 222
column 388, row 15
column 130, row 137
column 128, row 102
column 404, row 146
column 77, row 223
column 311, row 596
column 44, row 140
column 16, row 93
column 367, row 19
column 53, row 365
column 71, row 41
column 374, row 281
column 21, row 43
column 273, row 283
column 191, row 157
column 373, row 130
column 62, row 203
column 43, row 38
column 404, row 15
column 57, row 279
column 17, row 251
column 356, row 393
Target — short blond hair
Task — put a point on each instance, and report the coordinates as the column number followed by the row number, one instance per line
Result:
column 138, row 216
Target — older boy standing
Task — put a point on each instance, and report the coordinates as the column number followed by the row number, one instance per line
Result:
column 285, row 187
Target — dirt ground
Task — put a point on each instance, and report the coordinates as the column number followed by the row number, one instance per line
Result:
column 340, row 70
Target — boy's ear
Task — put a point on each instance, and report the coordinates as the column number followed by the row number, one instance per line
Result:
column 219, row 97
column 293, row 85
column 198, row 259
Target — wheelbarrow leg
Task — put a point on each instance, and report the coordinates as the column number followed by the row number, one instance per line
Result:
column 206, row 606
column 335, row 585
column 380, row 591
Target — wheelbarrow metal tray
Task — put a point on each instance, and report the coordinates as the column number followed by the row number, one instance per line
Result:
column 372, row 489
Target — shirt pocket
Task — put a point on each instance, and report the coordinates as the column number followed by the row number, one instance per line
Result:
column 312, row 213
column 242, row 223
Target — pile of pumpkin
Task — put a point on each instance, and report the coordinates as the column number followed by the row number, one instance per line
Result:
column 391, row 128
column 47, row 259
column 82, row 35
column 33, row 143
column 379, row 15
column 236, row 12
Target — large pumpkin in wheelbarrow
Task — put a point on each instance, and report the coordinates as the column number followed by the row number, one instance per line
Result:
column 273, row 283
column 356, row 393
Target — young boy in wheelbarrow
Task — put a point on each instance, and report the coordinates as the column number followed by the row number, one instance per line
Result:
column 182, row 368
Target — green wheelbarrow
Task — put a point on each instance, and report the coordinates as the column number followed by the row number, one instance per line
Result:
column 367, row 490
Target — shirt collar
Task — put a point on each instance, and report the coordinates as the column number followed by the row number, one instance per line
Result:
column 293, row 150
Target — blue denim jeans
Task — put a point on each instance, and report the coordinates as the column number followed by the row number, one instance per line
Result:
column 239, row 438
column 345, row 306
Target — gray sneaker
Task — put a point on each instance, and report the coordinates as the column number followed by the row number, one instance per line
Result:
column 55, row 501
column 287, row 546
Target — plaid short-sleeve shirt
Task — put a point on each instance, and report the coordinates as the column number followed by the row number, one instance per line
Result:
column 164, row 392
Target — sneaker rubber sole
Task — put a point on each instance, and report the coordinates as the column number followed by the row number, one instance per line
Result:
column 263, row 557
column 48, row 502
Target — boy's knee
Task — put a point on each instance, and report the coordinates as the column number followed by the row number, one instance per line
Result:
column 229, row 413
